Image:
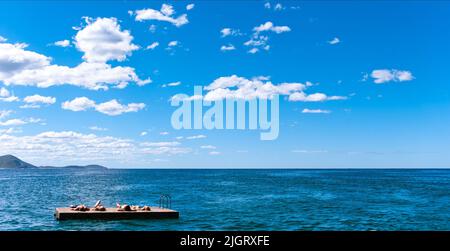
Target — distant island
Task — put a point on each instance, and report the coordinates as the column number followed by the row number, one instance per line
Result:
column 10, row 161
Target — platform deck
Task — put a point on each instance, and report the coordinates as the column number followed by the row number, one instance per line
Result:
column 114, row 214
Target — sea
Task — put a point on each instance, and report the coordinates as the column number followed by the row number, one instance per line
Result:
column 233, row 199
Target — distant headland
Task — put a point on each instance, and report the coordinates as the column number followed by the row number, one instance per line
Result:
column 10, row 161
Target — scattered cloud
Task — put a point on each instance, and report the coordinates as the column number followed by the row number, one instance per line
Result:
column 5, row 113
column 269, row 26
column 306, row 110
column 78, row 104
column 165, row 14
column 34, row 99
column 230, row 32
column 190, row 6
column 10, row 130
column 316, row 97
column 309, row 151
column 208, row 147
column 164, row 133
column 172, row 43
column 253, row 50
column 62, row 43
column 228, row 47
column 214, row 153
column 102, row 40
column 172, row 84
column 278, row 6
column 111, row 108
column 201, row 136
column 143, row 133
column 19, row 122
column 6, row 96
column 335, row 40
column 393, row 75
column 2, row 39
column 258, row 41
column 235, row 87
column 96, row 128
column 161, row 144
column 66, row 147
column 152, row 46
column 19, row 66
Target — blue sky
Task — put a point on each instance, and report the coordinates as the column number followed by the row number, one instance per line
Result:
column 387, row 61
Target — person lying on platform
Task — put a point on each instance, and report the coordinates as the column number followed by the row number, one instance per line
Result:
column 124, row 207
column 79, row 208
column 98, row 206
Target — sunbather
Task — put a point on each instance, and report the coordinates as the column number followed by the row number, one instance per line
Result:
column 124, row 207
column 80, row 208
column 99, row 207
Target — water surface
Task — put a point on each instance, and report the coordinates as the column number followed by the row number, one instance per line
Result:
column 352, row 199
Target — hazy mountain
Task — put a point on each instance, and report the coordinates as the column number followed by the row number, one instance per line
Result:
column 10, row 161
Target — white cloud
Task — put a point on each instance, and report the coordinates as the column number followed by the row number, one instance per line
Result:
column 316, row 97
column 386, row 75
column 113, row 108
column 267, row 5
column 152, row 28
column 235, row 87
column 230, row 32
column 97, row 128
column 14, row 58
column 5, row 113
column 201, row 136
column 208, row 147
column 12, row 122
column 103, row 40
column 19, row 66
column 278, row 6
column 152, row 46
column 228, row 47
column 190, row 6
column 172, row 84
column 34, row 99
column 214, row 153
column 269, row 26
column 165, row 14
column 172, row 43
column 10, row 130
column 164, row 133
column 253, row 50
column 143, row 133
column 242, row 88
column 315, row 111
column 4, row 93
column 258, row 41
column 335, row 40
column 78, row 104
column 92, row 76
column 2, row 39
column 68, row 147
column 62, row 43
column 309, row 151
column 18, row 122
column 6, row 96
column 161, row 144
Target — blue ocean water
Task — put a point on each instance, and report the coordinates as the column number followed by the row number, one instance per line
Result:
column 354, row 199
